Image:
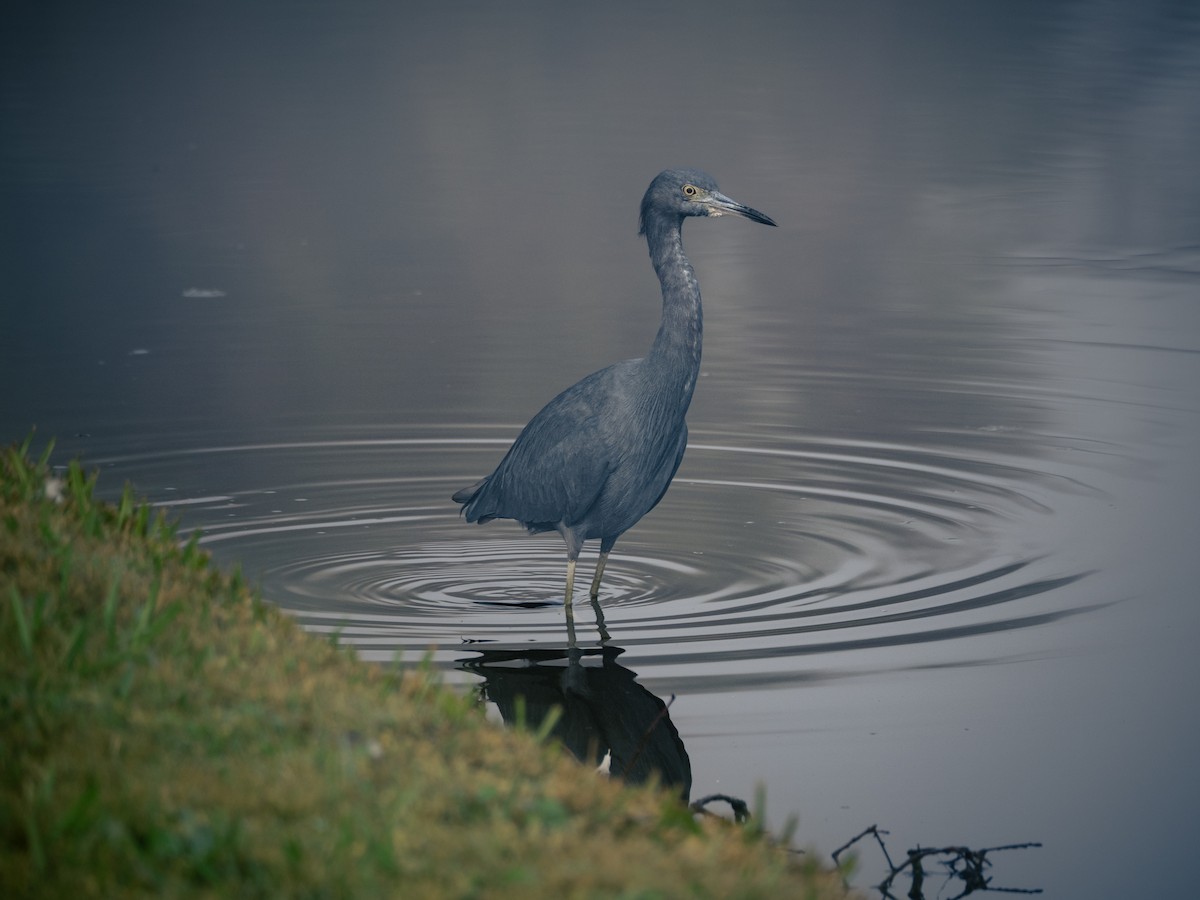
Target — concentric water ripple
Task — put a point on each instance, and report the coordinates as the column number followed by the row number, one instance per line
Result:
column 771, row 550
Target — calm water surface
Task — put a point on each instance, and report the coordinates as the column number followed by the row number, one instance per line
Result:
column 298, row 273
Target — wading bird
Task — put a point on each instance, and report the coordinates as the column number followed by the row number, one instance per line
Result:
column 601, row 454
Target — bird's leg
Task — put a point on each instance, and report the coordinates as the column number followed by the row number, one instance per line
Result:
column 570, row 610
column 570, row 587
column 605, row 547
column 571, row 642
column 599, row 571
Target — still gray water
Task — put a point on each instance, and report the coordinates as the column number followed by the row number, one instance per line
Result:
column 298, row 272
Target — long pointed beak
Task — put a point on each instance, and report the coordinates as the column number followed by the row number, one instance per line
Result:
column 720, row 205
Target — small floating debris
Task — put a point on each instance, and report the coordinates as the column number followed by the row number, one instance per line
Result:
column 197, row 293
column 139, row 351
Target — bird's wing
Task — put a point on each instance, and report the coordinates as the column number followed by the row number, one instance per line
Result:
column 559, row 463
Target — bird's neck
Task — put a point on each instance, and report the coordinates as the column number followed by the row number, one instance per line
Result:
column 678, row 342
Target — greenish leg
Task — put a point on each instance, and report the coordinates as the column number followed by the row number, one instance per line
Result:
column 570, row 610
column 599, row 571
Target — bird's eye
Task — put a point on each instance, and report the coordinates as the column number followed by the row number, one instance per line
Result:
column 689, row 190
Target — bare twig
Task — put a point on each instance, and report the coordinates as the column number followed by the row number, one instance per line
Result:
column 963, row 863
column 876, row 832
column 741, row 812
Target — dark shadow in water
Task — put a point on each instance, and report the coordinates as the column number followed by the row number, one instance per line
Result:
column 604, row 709
column 517, row 604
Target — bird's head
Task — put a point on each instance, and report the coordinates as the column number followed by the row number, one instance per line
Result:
column 677, row 193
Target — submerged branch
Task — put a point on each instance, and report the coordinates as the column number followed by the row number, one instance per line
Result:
column 962, row 863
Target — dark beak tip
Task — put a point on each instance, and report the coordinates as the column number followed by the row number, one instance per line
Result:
column 755, row 216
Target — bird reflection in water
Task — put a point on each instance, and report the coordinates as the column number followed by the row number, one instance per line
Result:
column 605, row 713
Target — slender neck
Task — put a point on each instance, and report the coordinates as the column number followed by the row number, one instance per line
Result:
column 678, row 342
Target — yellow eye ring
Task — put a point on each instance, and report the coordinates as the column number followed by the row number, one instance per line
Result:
column 689, row 190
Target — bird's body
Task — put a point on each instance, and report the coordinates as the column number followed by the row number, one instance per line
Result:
column 601, row 454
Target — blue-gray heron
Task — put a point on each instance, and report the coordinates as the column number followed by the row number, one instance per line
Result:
column 601, row 454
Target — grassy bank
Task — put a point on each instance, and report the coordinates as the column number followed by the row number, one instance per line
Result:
column 165, row 733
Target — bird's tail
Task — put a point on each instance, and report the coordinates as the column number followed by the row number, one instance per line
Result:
column 467, row 494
